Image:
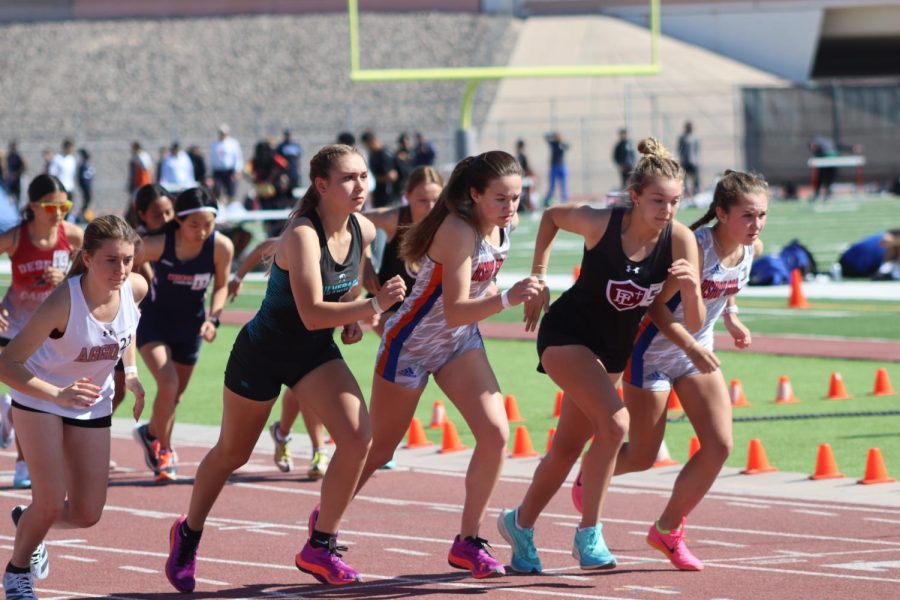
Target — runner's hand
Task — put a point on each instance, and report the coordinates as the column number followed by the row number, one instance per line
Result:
column 351, row 333
column 208, row 331
column 535, row 307
column 685, row 273
column 393, row 291
column 738, row 331
column 704, row 359
column 80, row 394
column 234, row 288
column 53, row 276
column 133, row 384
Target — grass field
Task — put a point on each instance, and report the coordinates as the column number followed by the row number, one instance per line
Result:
column 791, row 445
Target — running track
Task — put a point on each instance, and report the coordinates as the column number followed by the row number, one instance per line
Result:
column 399, row 531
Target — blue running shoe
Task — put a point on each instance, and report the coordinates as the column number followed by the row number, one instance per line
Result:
column 590, row 549
column 21, row 476
column 525, row 558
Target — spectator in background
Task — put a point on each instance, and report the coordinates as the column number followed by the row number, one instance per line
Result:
column 689, row 157
column 15, row 170
column 821, row 147
column 403, row 163
column 625, row 156
column 161, row 158
column 424, row 152
column 64, row 166
column 525, row 204
column 199, row 164
column 291, row 151
column 47, row 158
column 140, row 169
column 86, row 175
column 177, row 172
column 559, row 172
column 268, row 170
column 381, row 163
column 227, row 163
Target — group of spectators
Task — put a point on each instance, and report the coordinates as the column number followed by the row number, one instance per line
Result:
column 391, row 168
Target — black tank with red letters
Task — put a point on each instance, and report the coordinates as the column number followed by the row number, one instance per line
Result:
column 604, row 307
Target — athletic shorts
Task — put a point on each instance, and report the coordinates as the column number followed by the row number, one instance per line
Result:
column 409, row 365
column 97, row 423
column 257, row 370
column 185, row 349
column 657, row 373
column 549, row 334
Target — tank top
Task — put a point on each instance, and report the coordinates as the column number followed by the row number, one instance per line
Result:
column 28, row 289
column 421, row 317
column 277, row 323
column 718, row 284
column 88, row 348
column 391, row 263
column 178, row 288
column 607, row 302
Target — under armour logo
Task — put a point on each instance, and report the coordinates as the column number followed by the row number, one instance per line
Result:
column 630, row 269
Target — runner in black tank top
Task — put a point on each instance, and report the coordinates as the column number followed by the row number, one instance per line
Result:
column 188, row 258
column 290, row 342
column 585, row 339
column 391, row 263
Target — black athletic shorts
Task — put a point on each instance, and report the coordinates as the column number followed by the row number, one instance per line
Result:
column 97, row 423
column 552, row 334
column 174, row 333
column 4, row 342
column 257, row 370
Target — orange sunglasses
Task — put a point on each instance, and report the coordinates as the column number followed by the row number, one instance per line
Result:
column 51, row 208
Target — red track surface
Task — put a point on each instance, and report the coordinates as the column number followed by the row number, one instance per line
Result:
column 399, row 531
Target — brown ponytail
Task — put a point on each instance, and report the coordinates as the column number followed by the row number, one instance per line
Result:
column 471, row 172
column 731, row 188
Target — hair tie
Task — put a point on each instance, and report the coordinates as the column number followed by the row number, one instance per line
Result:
column 183, row 213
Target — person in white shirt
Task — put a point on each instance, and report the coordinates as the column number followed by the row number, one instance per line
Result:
column 64, row 166
column 226, row 163
column 177, row 172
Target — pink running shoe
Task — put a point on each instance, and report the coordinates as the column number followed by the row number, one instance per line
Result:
column 325, row 564
column 578, row 492
column 471, row 554
column 181, row 566
column 313, row 517
column 672, row 545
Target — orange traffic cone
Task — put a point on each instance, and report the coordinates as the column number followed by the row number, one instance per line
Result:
column 785, row 393
column 737, row 394
column 882, row 384
column 522, row 447
column 512, row 410
column 836, row 388
column 757, row 461
column 557, row 408
column 693, row 446
column 416, row 437
column 438, row 415
column 797, row 299
column 876, row 472
column 826, row 466
column 663, row 458
column 576, row 272
column 451, row 442
column 674, row 401
column 550, row 433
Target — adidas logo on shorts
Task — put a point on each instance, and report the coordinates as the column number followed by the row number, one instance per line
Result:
column 656, row 376
column 407, row 372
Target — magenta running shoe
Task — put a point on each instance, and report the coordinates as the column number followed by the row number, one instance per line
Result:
column 181, row 566
column 471, row 554
column 325, row 564
column 578, row 492
column 672, row 545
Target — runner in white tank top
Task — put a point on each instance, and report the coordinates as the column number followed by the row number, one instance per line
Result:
column 740, row 206
column 460, row 245
column 656, row 362
column 60, row 369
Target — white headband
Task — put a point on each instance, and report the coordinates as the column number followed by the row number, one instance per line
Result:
column 191, row 211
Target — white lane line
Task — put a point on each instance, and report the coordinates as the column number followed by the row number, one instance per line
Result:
column 139, row 569
column 877, row 520
column 817, row 513
column 76, row 558
column 68, row 594
column 748, row 504
column 405, row 551
column 723, row 544
column 270, row 532
column 210, row 581
column 651, row 590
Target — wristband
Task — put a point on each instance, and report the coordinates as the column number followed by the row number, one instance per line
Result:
column 731, row 310
column 375, row 306
column 541, row 277
column 504, row 299
column 237, row 278
column 130, row 370
column 215, row 321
